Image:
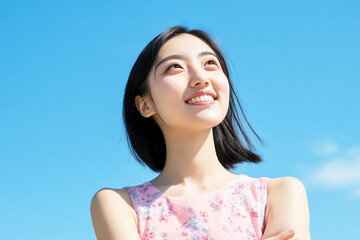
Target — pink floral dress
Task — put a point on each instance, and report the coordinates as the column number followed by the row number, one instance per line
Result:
column 236, row 211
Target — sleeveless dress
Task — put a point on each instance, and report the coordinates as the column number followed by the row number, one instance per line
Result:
column 235, row 211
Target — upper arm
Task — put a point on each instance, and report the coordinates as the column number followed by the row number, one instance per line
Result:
column 112, row 215
column 287, row 207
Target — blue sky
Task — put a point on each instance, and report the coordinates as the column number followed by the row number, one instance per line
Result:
column 64, row 65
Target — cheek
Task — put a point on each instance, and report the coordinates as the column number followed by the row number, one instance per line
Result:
column 222, row 85
column 166, row 89
column 167, row 94
column 224, row 91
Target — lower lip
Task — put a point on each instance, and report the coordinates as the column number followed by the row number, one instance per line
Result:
column 202, row 103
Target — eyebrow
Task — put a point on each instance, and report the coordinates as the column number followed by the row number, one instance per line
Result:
column 204, row 53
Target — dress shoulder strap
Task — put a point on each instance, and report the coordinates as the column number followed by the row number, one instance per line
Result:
column 143, row 195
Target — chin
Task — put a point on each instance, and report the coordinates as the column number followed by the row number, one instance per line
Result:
column 207, row 123
column 213, row 118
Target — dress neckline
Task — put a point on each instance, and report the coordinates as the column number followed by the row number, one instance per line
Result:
column 202, row 194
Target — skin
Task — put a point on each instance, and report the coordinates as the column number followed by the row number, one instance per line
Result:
column 191, row 163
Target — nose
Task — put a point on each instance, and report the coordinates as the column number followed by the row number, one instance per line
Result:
column 198, row 78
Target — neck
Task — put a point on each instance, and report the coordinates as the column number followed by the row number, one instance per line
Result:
column 191, row 158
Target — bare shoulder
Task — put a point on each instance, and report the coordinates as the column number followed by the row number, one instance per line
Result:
column 287, row 207
column 286, row 192
column 287, row 185
column 112, row 215
column 106, row 195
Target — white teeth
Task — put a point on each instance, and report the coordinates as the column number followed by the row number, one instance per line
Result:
column 203, row 98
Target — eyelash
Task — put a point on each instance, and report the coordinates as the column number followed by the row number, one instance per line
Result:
column 213, row 62
column 172, row 65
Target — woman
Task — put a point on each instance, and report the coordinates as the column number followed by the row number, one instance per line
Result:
column 181, row 119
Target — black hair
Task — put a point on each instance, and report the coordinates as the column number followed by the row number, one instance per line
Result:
column 145, row 138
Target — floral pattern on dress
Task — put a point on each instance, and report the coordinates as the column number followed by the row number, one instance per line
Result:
column 236, row 211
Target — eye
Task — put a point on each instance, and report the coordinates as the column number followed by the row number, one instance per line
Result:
column 211, row 64
column 173, row 66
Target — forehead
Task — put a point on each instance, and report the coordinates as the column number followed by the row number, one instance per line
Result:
column 183, row 44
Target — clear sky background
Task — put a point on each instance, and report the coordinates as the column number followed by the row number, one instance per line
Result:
column 64, row 65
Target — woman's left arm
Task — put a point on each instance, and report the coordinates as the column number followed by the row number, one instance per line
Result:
column 287, row 208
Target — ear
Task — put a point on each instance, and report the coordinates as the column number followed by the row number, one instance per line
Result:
column 143, row 104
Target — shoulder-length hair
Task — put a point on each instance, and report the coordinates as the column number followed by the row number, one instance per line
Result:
column 145, row 138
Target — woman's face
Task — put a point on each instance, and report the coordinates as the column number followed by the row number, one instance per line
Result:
column 188, row 87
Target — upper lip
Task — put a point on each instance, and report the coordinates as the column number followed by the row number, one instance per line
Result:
column 202, row 93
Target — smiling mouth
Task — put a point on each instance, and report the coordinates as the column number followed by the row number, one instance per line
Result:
column 201, row 99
